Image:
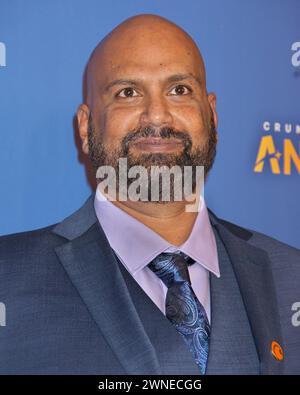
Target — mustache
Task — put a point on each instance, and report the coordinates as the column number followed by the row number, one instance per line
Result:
column 163, row 133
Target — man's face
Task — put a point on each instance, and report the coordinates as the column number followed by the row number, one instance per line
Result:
column 148, row 103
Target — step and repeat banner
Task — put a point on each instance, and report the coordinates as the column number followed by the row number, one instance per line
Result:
column 252, row 55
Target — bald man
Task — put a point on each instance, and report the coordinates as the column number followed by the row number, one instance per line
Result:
column 140, row 284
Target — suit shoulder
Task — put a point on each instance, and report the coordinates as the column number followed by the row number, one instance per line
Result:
column 273, row 245
column 28, row 241
column 261, row 240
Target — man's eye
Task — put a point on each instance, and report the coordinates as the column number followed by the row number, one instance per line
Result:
column 127, row 92
column 180, row 90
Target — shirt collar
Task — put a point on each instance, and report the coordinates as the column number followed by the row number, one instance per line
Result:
column 137, row 245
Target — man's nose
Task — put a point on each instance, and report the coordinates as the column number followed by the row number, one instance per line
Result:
column 156, row 112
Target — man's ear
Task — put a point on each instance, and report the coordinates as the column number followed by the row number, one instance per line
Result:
column 83, row 113
column 212, row 100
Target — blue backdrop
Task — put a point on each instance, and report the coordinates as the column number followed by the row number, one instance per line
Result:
column 252, row 55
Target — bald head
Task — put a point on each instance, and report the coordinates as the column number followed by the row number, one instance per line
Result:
column 140, row 40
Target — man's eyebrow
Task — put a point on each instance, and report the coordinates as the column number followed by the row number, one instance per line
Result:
column 181, row 77
column 172, row 78
column 121, row 82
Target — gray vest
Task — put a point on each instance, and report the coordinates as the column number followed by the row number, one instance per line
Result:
column 232, row 348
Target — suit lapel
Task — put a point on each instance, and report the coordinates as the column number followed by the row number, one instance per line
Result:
column 91, row 265
column 252, row 269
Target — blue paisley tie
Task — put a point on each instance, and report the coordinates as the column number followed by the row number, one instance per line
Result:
column 183, row 308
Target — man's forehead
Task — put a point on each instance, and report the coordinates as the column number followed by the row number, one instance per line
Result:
column 137, row 50
column 144, row 64
column 160, row 68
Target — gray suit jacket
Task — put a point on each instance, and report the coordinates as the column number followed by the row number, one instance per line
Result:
column 72, row 308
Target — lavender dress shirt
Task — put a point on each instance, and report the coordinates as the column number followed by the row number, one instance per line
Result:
column 136, row 245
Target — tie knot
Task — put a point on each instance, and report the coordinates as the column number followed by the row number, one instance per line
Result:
column 171, row 267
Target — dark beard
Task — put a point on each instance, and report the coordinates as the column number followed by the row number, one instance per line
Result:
column 199, row 156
